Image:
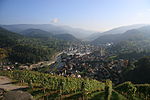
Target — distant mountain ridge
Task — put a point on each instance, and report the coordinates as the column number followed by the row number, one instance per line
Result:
column 118, row 30
column 78, row 33
column 133, row 34
column 37, row 33
column 54, row 29
column 123, row 29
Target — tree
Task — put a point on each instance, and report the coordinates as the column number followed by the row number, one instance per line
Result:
column 141, row 74
column 3, row 54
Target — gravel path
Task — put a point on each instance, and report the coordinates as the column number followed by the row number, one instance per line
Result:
column 6, row 84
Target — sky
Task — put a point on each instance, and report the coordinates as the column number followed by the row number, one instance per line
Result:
column 97, row 15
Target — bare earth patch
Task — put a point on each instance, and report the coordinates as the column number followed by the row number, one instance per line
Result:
column 6, row 84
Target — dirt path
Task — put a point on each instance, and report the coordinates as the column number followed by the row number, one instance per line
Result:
column 6, row 84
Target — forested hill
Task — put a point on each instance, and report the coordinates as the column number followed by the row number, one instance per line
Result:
column 66, row 36
column 18, row 48
column 38, row 33
column 132, row 35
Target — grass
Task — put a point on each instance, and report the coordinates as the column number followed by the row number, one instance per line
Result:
column 97, row 96
column 117, row 96
column 75, row 96
column 101, row 96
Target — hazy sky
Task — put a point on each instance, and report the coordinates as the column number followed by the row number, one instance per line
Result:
column 96, row 15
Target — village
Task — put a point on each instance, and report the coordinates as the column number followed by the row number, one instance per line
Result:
column 84, row 62
column 79, row 60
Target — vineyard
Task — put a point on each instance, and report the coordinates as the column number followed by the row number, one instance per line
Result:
column 134, row 91
column 51, row 87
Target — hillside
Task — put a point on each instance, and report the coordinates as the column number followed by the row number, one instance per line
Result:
column 132, row 35
column 48, row 86
column 140, row 74
column 118, row 30
column 133, row 44
column 37, row 33
column 67, row 37
column 8, row 38
column 21, row 49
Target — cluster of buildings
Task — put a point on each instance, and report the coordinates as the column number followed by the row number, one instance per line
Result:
column 93, row 65
column 80, row 49
column 82, row 60
column 6, row 66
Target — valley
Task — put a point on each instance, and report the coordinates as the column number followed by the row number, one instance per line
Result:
column 74, row 49
column 61, row 66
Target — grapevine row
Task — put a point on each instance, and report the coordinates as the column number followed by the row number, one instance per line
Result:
column 54, row 82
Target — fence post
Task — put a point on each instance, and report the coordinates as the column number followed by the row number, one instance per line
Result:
column 61, row 87
column 30, row 84
column 83, row 90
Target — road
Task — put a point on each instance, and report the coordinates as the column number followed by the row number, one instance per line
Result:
column 46, row 63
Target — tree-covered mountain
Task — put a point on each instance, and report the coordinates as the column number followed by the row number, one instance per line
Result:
column 24, row 49
column 67, row 37
column 8, row 39
column 37, row 33
column 123, row 29
column 118, row 30
column 132, row 35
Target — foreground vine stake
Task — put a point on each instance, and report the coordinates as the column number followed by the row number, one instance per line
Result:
column 108, row 90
